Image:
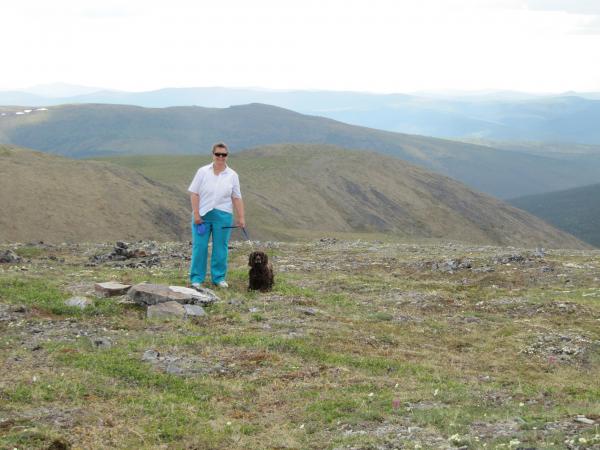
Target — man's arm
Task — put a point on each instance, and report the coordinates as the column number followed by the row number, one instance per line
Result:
column 238, row 205
column 195, row 199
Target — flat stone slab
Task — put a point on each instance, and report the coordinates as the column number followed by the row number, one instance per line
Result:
column 111, row 289
column 145, row 294
column 202, row 295
column 166, row 310
column 152, row 294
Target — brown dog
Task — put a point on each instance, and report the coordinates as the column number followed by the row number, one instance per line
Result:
column 261, row 272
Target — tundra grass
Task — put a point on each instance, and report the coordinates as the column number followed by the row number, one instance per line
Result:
column 344, row 352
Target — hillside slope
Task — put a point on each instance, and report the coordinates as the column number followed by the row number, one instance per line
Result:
column 295, row 190
column 576, row 211
column 49, row 198
column 87, row 130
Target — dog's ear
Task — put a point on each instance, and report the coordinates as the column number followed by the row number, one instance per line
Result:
column 250, row 258
column 266, row 258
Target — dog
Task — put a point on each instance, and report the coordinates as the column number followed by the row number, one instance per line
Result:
column 261, row 272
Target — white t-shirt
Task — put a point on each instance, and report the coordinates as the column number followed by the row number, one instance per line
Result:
column 215, row 191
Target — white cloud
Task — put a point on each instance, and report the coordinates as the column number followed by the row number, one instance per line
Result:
column 569, row 6
column 370, row 45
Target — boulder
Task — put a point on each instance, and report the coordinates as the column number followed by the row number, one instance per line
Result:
column 201, row 295
column 102, row 343
column 152, row 294
column 194, row 311
column 166, row 310
column 111, row 289
column 151, row 355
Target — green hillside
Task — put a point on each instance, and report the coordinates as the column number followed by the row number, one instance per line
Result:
column 576, row 211
column 297, row 190
column 91, row 130
column 54, row 199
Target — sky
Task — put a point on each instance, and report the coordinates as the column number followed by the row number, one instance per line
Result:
column 361, row 45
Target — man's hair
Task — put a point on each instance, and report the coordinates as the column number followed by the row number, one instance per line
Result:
column 219, row 145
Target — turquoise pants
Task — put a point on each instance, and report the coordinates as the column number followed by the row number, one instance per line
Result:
column 217, row 219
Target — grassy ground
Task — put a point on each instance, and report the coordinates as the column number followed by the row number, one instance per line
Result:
column 361, row 345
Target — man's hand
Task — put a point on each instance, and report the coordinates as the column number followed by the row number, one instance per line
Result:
column 241, row 223
column 197, row 219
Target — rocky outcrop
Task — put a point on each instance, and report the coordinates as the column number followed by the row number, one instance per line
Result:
column 8, row 256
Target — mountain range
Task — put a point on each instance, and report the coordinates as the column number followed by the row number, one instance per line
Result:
column 92, row 130
column 497, row 115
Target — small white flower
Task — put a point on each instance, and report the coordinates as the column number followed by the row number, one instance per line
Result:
column 371, row 394
column 301, row 426
column 228, row 424
column 436, row 392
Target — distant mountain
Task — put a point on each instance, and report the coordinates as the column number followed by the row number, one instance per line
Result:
column 53, row 199
column 497, row 115
column 305, row 190
column 576, row 211
column 559, row 150
column 60, row 90
column 87, row 130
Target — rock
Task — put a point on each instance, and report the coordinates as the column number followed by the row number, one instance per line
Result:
column 236, row 302
column 174, row 369
column 507, row 259
column 152, row 294
column 145, row 262
column 166, row 310
column 194, row 311
column 102, row 343
column 111, row 288
column 150, row 356
column 585, row 420
column 307, row 311
column 122, row 252
column 8, row 256
column 201, row 295
column 79, row 302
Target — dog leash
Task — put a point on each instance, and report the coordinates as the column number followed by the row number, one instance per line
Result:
column 201, row 228
column 244, row 232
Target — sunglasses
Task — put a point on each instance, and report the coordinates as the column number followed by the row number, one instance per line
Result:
column 221, row 155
